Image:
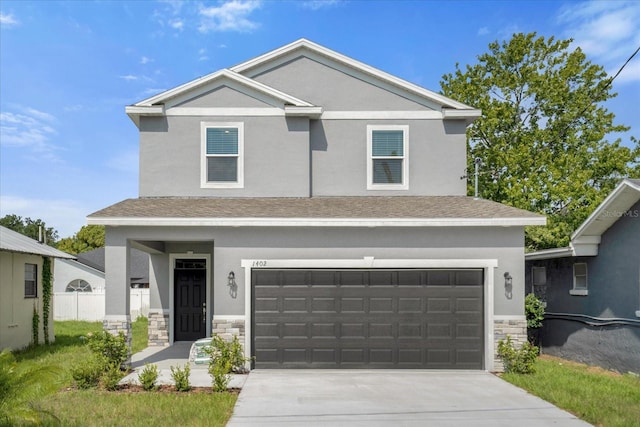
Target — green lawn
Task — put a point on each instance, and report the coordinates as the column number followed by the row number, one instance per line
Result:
column 600, row 397
column 100, row 408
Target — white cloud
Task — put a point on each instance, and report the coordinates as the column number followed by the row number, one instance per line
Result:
column 177, row 24
column 320, row 4
column 606, row 31
column 483, row 31
column 145, row 60
column 202, row 55
column 229, row 16
column 129, row 77
column 8, row 20
column 66, row 216
column 28, row 128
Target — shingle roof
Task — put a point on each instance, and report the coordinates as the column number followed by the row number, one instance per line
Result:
column 378, row 208
column 139, row 268
column 16, row 242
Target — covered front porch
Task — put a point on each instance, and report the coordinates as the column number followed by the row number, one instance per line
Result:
column 190, row 293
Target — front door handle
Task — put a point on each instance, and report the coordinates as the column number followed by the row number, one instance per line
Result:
column 204, row 312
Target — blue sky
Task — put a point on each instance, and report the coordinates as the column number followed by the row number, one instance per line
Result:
column 67, row 70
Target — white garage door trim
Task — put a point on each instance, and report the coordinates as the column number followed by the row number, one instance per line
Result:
column 369, row 263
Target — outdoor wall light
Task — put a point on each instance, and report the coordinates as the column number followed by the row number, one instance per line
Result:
column 508, row 285
column 231, row 283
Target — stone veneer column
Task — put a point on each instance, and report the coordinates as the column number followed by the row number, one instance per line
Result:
column 228, row 327
column 515, row 328
column 114, row 324
column 158, row 328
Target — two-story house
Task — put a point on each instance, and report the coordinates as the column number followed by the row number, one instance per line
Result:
column 313, row 205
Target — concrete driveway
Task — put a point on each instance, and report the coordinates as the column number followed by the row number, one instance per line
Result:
column 383, row 398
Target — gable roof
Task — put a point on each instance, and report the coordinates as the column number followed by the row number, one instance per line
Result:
column 393, row 211
column 12, row 241
column 586, row 239
column 304, row 44
column 154, row 106
column 139, row 267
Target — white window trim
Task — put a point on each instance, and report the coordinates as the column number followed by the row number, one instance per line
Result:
column 203, row 155
column 405, row 158
column 581, row 291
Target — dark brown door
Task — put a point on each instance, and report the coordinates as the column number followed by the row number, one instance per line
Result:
column 189, row 299
column 427, row 319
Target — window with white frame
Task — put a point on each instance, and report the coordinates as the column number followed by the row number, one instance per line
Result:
column 580, row 283
column 78, row 285
column 30, row 281
column 387, row 157
column 222, row 155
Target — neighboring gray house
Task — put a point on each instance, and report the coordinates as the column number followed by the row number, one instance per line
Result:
column 86, row 273
column 592, row 288
column 313, row 206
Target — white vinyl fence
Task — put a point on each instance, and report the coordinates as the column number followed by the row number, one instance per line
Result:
column 90, row 305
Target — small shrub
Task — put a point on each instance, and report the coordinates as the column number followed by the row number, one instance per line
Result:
column 111, row 377
column 148, row 377
column 181, row 377
column 226, row 357
column 113, row 347
column 87, row 375
column 534, row 311
column 519, row 361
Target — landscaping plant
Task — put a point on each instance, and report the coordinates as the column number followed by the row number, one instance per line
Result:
column 226, row 357
column 148, row 377
column 87, row 373
column 109, row 352
column 519, row 361
column 111, row 377
column 181, row 377
column 112, row 347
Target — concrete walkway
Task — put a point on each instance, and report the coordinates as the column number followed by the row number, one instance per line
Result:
column 176, row 355
column 383, row 398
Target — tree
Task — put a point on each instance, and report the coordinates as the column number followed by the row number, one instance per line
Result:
column 30, row 228
column 541, row 135
column 89, row 237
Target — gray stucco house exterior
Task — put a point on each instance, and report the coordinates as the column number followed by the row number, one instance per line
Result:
column 312, row 205
column 592, row 287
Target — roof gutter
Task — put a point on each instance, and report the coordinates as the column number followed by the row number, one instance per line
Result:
column 317, row 222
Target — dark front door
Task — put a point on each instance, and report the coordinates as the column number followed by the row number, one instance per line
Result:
column 429, row 319
column 189, row 301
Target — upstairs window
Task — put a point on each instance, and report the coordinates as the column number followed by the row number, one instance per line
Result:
column 30, row 281
column 388, row 157
column 222, row 158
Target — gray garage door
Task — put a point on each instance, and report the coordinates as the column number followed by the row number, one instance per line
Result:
column 368, row 318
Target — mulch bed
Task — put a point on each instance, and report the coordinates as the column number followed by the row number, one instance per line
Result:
column 134, row 388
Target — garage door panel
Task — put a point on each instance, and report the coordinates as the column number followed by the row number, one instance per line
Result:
column 368, row 318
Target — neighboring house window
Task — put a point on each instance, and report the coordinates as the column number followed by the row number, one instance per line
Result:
column 223, row 155
column 30, row 280
column 539, row 275
column 78, row 285
column 579, row 279
column 539, row 281
column 387, row 157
